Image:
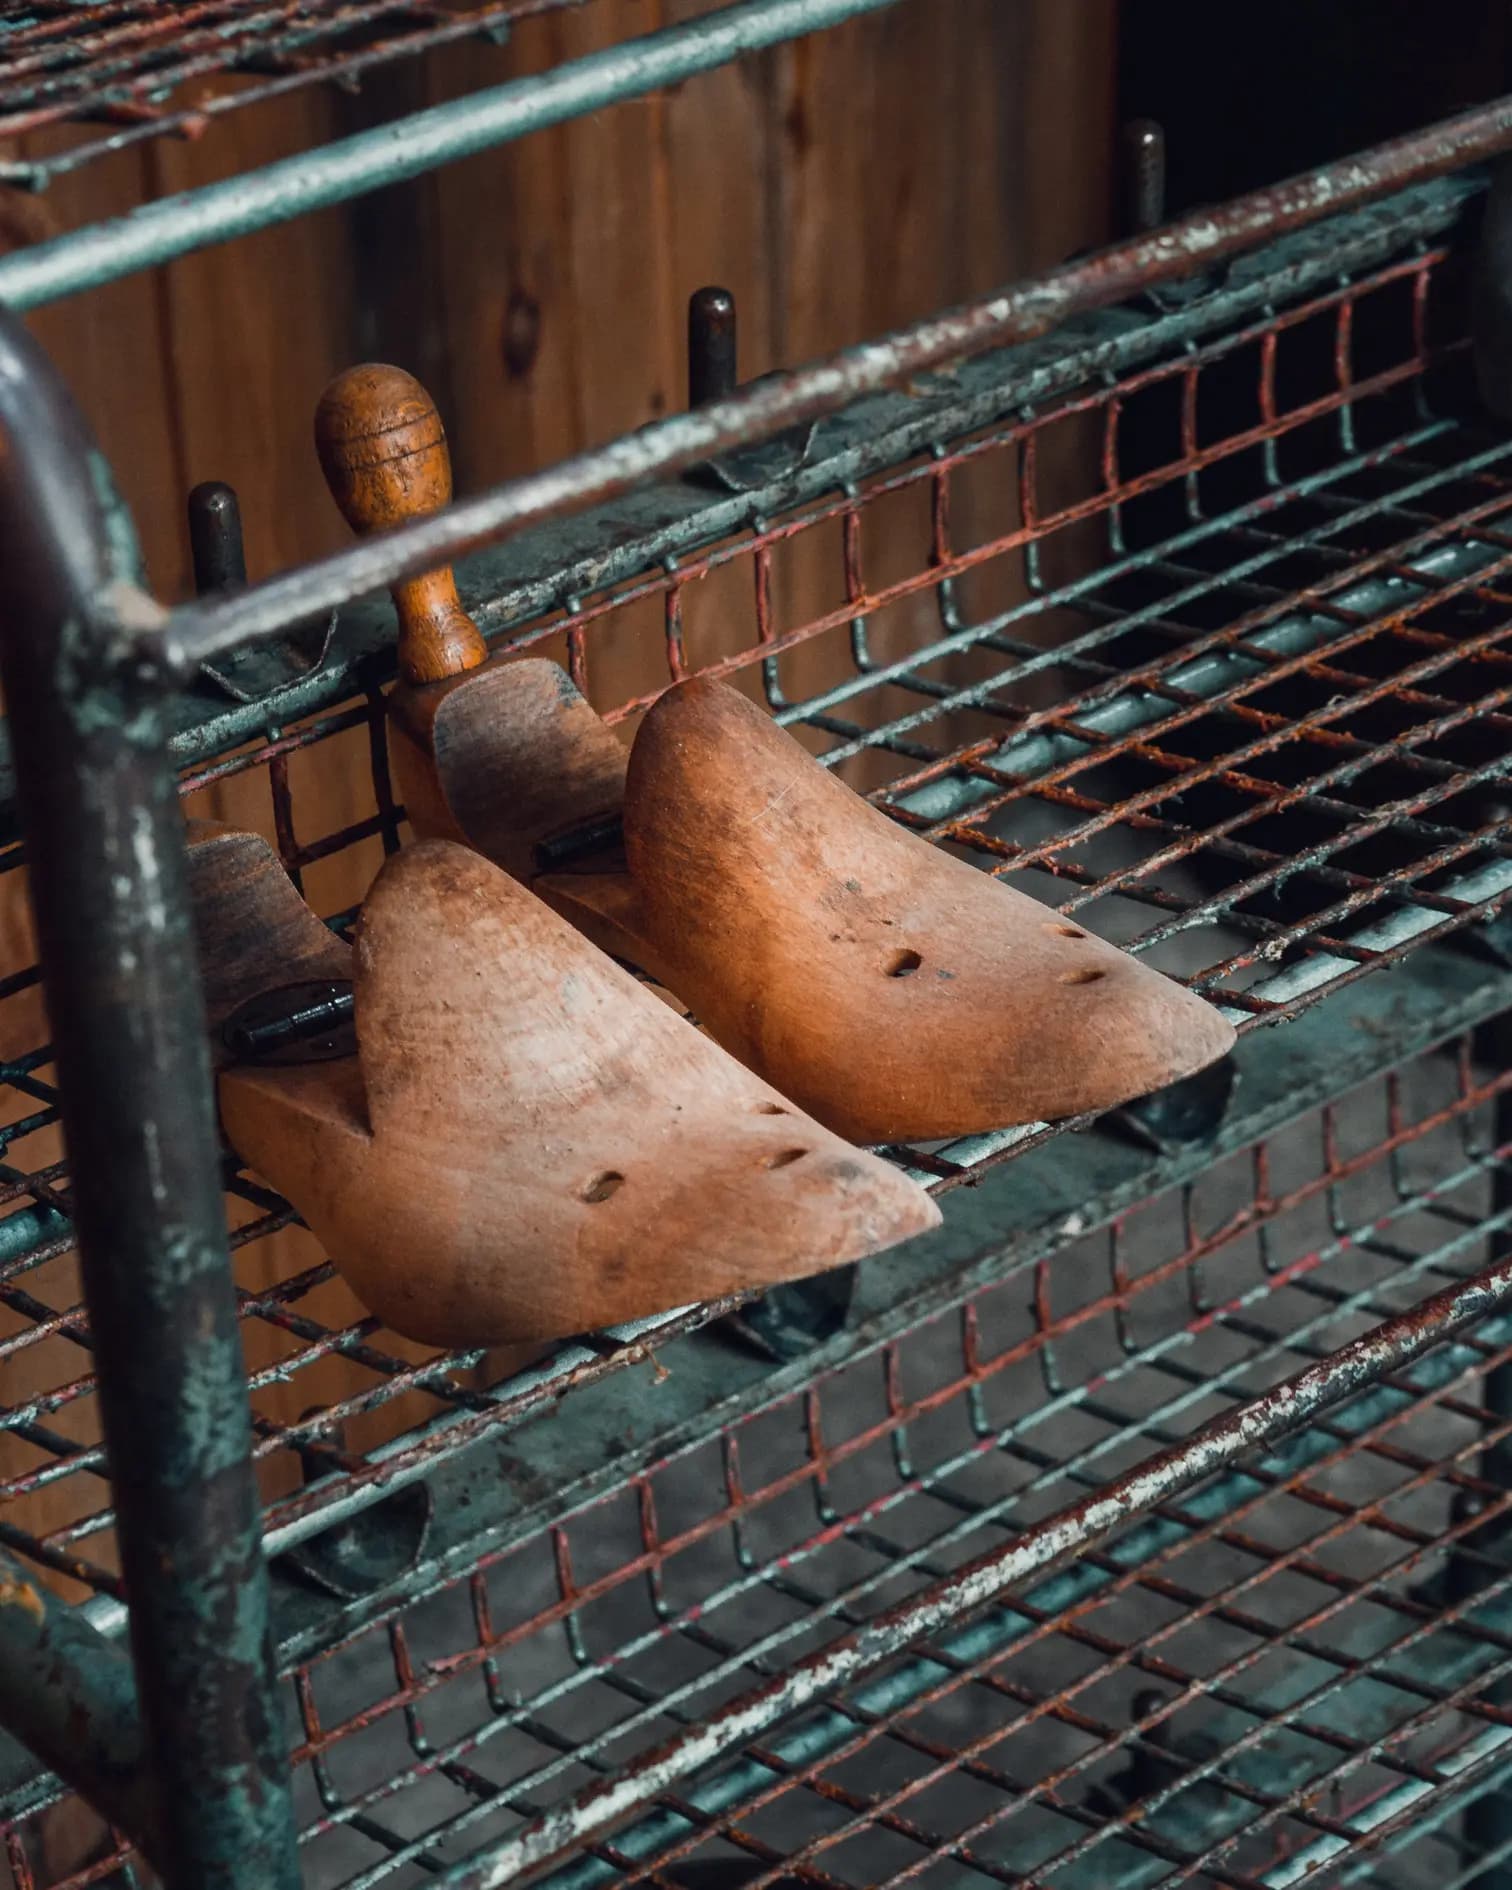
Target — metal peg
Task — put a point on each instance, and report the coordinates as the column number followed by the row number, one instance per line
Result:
column 312, row 1022
column 363, row 1554
column 712, row 358
column 1143, row 176
column 219, row 554
column 215, row 538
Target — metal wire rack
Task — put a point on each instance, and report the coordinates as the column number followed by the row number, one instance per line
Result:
column 1263, row 1678
column 122, row 69
column 129, row 67
column 1240, row 709
column 1190, row 617
column 1210, row 654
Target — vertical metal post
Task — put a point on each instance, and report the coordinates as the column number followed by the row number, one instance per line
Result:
column 1488, row 1820
column 108, row 882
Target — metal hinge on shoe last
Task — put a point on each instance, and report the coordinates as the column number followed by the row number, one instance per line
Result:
column 311, row 1022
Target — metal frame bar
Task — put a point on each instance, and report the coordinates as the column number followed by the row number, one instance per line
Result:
column 109, row 887
column 71, row 1696
column 108, row 884
column 1075, row 1529
column 202, row 631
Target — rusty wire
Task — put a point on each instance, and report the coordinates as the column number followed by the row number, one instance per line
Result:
column 511, row 1683
column 1411, row 695
column 124, row 71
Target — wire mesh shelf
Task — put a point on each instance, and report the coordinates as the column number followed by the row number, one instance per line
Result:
column 1293, row 1670
column 123, row 71
column 1210, row 654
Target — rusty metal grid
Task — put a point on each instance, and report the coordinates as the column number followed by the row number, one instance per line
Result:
column 1213, row 658
column 126, row 70
column 1291, row 1672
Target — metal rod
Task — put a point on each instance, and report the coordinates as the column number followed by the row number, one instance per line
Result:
column 713, row 360
column 105, row 844
column 1488, row 1820
column 1144, row 176
column 1388, row 1346
column 70, row 1696
column 349, row 167
column 200, row 631
column 215, row 538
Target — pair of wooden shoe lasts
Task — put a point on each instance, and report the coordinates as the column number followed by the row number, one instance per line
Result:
column 527, row 1142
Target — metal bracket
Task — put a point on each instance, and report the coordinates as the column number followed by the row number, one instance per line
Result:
column 789, row 1321
column 363, row 1554
column 1183, row 1113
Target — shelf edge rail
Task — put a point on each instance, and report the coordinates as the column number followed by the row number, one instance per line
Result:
column 205, row 630
column 193, row 1759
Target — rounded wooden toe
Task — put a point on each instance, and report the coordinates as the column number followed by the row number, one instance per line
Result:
column 893, row 991
column 742, row 1204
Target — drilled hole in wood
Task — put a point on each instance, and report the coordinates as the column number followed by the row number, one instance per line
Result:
column 903, row 964
column 602, row 1186
column 770, row 1109
column 784, row 1158
column 1064, row 931
column 1088, row 974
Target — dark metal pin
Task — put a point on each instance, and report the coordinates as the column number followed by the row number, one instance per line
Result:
column 296, row 1023
column 1152, row 1764
column 215, row 538
column 713, row 374
column 218, row 550
column 789, row 1322
column 1185, row 1112
column 565, row 852
column 713, row 369
column 1143, row 176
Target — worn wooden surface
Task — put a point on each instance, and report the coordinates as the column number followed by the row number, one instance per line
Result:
column 838, row 186
column 894, row 992
column 587, row 1156
column 382, row 449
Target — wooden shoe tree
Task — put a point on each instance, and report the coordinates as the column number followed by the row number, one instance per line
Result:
column 525, row 1142
column 893, row 992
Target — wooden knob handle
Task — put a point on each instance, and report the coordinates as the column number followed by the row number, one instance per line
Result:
column 383, row 451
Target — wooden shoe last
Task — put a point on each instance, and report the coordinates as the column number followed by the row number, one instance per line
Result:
column 893, row 992
column 525, row 1142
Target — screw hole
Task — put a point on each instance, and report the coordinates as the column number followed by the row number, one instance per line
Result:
column 602, row 1186
column 770, row 1109
column 784, row 1158
column 1064, row 931
column 1088, row 974
column 903, row 964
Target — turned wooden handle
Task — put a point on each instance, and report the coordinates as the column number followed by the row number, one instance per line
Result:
column 383, row 451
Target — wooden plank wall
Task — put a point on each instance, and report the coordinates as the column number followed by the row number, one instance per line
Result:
column 839, row 186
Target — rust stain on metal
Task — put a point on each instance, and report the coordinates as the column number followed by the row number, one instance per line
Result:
column 120, row 69
column 15, row 1593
